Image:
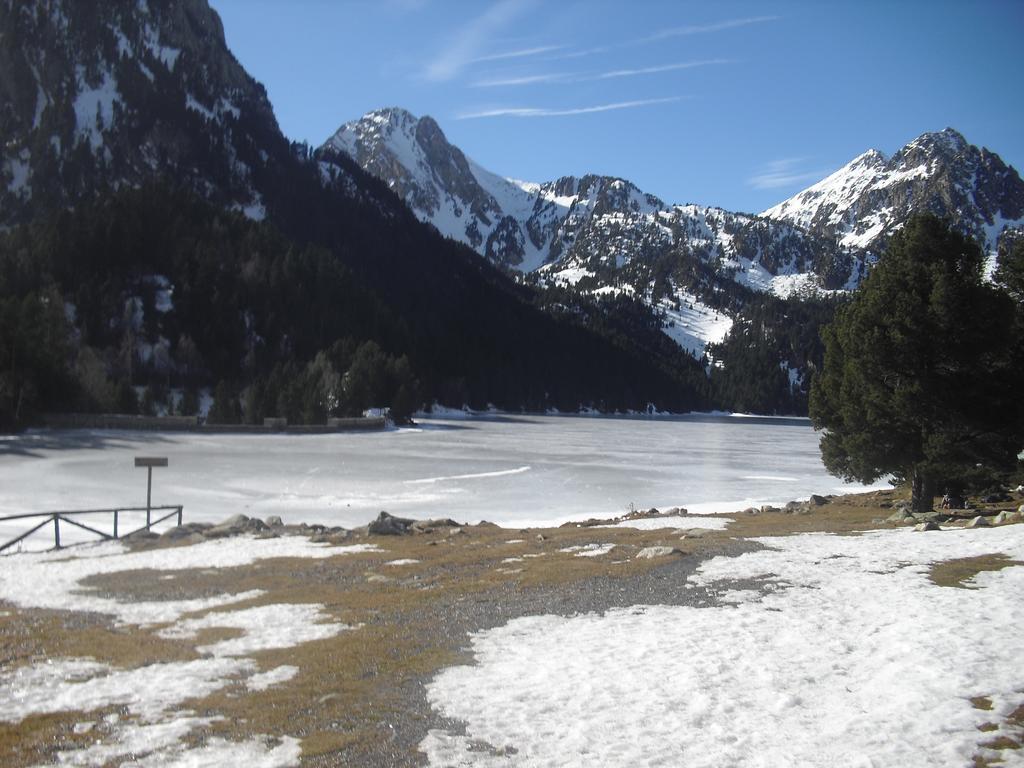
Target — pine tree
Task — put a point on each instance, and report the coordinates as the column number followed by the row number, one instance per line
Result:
column 225, row 408
column 189, row 405
column 921, row 380
column 1010, row 272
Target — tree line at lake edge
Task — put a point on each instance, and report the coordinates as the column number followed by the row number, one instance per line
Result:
column 154, row 290
column 923, row 368
column 143, row 293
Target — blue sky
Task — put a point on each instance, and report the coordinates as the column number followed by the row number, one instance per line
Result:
column 737, row 104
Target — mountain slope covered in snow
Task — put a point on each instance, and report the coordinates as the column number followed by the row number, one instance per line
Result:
column 282, row 268
column 579, row 227
column 697, row 267
column 868, row 199
column 115, row 94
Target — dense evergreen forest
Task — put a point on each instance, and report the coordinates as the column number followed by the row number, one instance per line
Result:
column 137, row 294
column 152, row 290
column 339, row 301
column 757, row 367
column 131, row 280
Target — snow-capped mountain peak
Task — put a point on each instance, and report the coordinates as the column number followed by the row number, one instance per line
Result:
column 598, row 233
column 870, row 197
column 947, row 140
column 831, row 198
column 440, row 183
column 605, row 236
column 514, row 223
column 603, row 221
column 414, row 156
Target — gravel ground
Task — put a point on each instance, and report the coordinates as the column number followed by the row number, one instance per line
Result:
column 451, row 593
column 360, row 699
column 453, row 621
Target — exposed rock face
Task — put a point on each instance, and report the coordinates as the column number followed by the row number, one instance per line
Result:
column 506, row 244
column 453, row 171
column 867, row 200
column 698, row 267
column 901, row 516
column 650, row 553
column 603, row 235
column 389, row 525
column 115, row 93
column 596, row 232
column 235, row 525
column 1006, row 516
column 414, row 158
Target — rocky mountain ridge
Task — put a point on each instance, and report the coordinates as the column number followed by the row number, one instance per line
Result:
column 868, row 199
column 141, row 162
column 111, row 95
column 146, row 163
column 571, row 226
column 697, row 266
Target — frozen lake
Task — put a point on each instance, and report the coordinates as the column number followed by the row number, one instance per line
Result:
column 513, row 470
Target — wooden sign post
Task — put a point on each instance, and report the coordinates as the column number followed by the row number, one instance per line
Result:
column 149, row 462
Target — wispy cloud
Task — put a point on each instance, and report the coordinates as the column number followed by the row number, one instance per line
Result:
column 664, row 34
column 562, row 112
column 470, row 41
column 581, row 77
column 783, row 173
column 701, row 29
column 500, row 82
column 520, row 54
column 660, row 68
column 585, row 52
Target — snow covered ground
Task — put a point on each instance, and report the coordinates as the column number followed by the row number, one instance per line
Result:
column 681, row 523
column 515, row 471
column 694, row 325
column 156, row 724
column 819, row 650
column 848, row 656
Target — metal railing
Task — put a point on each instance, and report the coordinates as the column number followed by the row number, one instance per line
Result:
column 66, row 516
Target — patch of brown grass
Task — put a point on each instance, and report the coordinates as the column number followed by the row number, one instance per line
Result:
column 32, row 740
column 351, row 689
column 955, row 573
column 349, row 686
column 1011, row 739
column 26, row 636
column 1000, row 743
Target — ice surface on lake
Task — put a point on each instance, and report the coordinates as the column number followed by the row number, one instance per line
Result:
column 513, row 470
